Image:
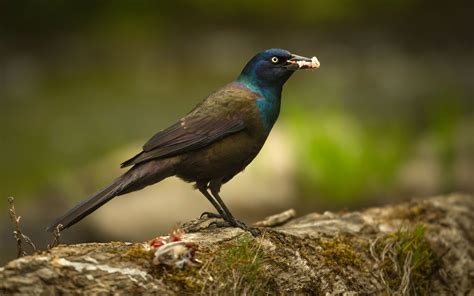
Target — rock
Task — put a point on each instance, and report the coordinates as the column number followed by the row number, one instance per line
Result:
column 423, row 247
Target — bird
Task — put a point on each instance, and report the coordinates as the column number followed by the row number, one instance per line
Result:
column 212, row 143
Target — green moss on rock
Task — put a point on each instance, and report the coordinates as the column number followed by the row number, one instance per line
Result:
column 235, row 267
column 340, row 252
column 138, row 251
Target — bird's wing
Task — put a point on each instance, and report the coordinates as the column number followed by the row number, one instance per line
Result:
column 188, row 134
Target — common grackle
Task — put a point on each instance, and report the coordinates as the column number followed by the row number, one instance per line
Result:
column 213, row 142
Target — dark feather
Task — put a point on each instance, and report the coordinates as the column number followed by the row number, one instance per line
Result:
column 87, row 206
column 136, row 178
column 188, row 134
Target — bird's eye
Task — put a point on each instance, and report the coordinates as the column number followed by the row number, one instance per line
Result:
column 274, row 60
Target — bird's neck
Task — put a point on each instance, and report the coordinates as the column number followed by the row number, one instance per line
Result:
column 269, row 101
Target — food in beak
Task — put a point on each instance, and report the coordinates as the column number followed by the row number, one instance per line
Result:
column 306, row 64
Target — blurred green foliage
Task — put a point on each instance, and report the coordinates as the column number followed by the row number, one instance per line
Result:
column 341, row 158
column 81, row 79
column 388, row 115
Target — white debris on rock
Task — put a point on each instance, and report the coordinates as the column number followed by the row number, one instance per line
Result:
column 175, row 254
column 80, row 266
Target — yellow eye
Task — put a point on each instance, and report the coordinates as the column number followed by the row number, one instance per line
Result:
column 274, row 60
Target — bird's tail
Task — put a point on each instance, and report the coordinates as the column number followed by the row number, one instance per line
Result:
column 136, row 178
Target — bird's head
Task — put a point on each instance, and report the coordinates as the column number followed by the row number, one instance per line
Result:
column 273, row 67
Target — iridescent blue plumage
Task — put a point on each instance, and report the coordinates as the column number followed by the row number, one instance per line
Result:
column 266, row 78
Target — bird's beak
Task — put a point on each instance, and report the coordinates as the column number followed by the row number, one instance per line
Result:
column 298, row 62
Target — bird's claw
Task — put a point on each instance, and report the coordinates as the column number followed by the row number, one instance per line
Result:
column 225, row 223
column 253, row 231
column 210, row 215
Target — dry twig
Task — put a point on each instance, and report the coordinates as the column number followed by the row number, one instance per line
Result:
column 56, row 237
column 17, row 234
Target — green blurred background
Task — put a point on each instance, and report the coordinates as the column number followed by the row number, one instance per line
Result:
column 387, row 117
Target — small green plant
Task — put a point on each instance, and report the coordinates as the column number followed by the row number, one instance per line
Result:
column 406, row 261
column 236, row 269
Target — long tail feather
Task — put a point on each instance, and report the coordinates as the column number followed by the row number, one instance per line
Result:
column 136, row 178
column 87, row 206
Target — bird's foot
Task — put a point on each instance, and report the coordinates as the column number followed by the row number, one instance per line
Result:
column 235, row 223
column 211, row 215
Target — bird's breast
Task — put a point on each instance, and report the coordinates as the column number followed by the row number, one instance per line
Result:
column 222, row 159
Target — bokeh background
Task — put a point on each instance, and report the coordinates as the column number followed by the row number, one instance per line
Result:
column 83, row 84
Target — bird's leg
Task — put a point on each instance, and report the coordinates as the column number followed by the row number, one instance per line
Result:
column 203, row 190
column 230, row 220
column 215, row 187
